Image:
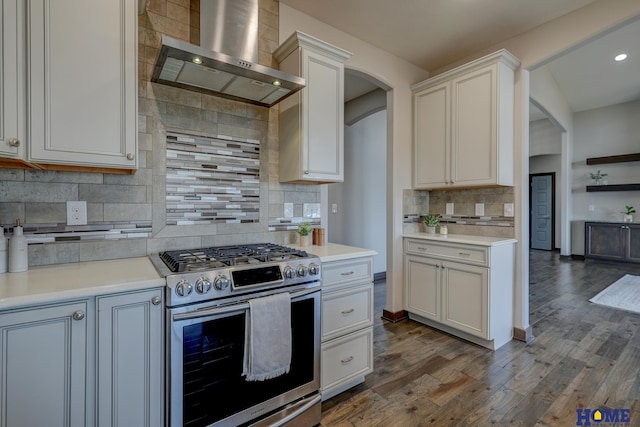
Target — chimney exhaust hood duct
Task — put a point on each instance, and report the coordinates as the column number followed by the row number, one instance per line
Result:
column 225, row 64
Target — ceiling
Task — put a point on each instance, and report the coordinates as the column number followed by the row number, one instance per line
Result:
column 422, row 33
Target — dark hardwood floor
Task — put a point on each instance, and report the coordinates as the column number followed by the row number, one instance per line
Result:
column 584, row 356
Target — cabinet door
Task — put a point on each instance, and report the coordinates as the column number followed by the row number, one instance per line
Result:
column 432, row 121
column 43, row 360
column 473, row 131
column 82, row 80
column 129, row 364
column 633, row 248
column 11, row 79
column 465, row 298
column 605, row 241
column 422, row 286
column 323, row 112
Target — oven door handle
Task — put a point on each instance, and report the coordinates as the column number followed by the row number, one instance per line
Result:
column 230, row 308
column 298, row 409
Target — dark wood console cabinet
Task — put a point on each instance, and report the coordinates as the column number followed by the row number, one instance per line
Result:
column 612, row 241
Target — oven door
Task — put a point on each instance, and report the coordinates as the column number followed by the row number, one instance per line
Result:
column 205, row 353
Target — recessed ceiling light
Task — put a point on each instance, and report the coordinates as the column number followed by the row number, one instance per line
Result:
column 620, row 57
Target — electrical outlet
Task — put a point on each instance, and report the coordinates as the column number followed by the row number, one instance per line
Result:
column 479, row 209
column 76, row 213
column 311, row 210
column 334, row 208
column 592, row 208
column 508, row 209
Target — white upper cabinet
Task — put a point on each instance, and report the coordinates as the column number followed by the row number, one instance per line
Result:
column 12, row 87
column 81, row 80
column 463, row 125
column 312, row 120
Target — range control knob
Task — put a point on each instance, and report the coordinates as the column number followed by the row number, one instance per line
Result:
column 289, row 273
column 314, row 269
column 183, row 288
column 203, row 285
column 301, row 270
column 221, row 283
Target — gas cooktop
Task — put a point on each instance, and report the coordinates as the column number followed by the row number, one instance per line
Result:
column 203, row 274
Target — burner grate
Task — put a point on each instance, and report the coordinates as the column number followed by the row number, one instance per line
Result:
column 223, row 256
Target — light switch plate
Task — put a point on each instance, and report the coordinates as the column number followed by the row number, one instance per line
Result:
column 479, row 209
column 288, row 210
column 508, row 209
column 449, row 209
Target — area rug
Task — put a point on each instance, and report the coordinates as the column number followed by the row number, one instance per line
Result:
column 623, row 294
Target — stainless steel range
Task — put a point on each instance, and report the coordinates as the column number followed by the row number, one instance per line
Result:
column 207, row 296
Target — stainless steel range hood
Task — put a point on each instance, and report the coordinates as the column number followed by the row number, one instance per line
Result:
column 232, row 26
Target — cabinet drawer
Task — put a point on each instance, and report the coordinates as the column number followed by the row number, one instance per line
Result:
column 346, row 358
column 349, row 271
column 346, row 311
column 464, row 253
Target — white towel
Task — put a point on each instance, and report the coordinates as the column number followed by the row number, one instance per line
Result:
column 267, row 348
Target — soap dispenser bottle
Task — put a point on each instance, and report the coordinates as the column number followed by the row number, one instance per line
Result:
column 18, row 252
column 4, row 246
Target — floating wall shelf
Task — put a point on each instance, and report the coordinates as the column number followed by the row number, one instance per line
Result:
column 617, row 187
column 614, row 159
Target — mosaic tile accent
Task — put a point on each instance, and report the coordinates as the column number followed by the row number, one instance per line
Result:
column 212, row 180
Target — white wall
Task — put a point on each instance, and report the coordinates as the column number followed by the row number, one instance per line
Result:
column 544, row 138
column 398, row 75
column 606, row 131
column 361, row 218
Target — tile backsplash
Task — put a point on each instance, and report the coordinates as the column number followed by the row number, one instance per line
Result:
column 464, row 219
column 127, row 214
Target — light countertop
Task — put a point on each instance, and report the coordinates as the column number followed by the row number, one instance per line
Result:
column 64, row 282
column 462, row 238
column 335, row 252
column 47, row 284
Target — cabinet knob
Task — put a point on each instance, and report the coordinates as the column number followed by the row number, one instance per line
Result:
column 130, row 156
column 306, row 172
column 156, row 300
column 78, row 315
column 14, row 142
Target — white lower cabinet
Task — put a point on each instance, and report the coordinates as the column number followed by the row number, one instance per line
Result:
column 465, row 290
column 347, row 324
column 63, row 365
column 43, row 362
column 129, row 359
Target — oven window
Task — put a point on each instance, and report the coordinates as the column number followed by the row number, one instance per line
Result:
column 213, row 353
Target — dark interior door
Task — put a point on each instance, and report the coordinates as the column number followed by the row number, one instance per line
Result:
column 542, row 208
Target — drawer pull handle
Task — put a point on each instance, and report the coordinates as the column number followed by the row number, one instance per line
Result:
column 347, row 360
column 422, row 248
column 348, row 273
column 464, row 254
column 345, row 312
